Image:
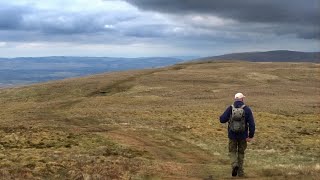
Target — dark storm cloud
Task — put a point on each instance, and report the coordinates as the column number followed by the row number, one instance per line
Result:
column 287, row 13
column 242, row 10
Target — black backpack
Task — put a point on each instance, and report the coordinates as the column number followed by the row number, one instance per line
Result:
column 237, row 121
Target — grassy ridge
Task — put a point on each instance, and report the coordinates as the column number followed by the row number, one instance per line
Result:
column 162, row 123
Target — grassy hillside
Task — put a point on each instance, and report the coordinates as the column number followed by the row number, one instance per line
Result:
column 273, row 56
column 162, row 123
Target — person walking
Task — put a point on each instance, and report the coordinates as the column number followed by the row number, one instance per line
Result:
column 241, row 128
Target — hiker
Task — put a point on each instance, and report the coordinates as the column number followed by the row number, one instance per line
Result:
column 241, row 128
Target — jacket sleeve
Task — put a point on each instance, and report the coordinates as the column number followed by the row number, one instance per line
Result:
column 226, row 115
column 250, row 120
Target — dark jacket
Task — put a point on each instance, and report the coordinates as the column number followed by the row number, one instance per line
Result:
column 250, row 126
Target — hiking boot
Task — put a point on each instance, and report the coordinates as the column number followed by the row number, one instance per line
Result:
column 235, row 170
column 240, row 172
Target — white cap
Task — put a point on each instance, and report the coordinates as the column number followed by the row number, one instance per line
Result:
column 239, row 96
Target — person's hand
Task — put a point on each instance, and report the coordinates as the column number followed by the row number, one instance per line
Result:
column 249, row 139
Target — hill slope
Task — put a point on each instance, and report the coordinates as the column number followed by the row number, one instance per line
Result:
column 162, row 123
column 270, row 56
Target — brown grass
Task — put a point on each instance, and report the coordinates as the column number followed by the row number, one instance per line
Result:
column 162, row 123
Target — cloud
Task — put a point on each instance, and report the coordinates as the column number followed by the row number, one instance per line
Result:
column 289, row 13
column 203, row 19
column 106, row 23
column 3, row 44
column 245, row 10
column 11, row 17
column 155, row 27
column 55, row 21
column 95, row 26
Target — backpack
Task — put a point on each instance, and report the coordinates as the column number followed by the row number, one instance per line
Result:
column 237, row 122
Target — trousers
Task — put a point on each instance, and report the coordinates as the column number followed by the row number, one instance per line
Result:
column 237, row 148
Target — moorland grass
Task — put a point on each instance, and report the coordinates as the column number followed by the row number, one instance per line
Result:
column 162, row 123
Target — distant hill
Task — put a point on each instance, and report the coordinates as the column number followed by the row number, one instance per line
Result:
column 269, row 56
column 27, row 70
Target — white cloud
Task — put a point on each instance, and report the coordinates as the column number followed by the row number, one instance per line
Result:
column 109, row 26
column 208, row 20
column 3, row 44
column 76, row 5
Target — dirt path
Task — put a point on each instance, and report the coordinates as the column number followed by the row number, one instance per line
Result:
column 175, row 158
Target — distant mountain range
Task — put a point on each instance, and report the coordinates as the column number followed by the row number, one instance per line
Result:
column 27, row 70
column 269, row 56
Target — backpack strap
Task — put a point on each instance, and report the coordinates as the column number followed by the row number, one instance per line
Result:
column 232, row 107
column 240, row 107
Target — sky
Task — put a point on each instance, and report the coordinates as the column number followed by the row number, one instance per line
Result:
column 143, row 28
